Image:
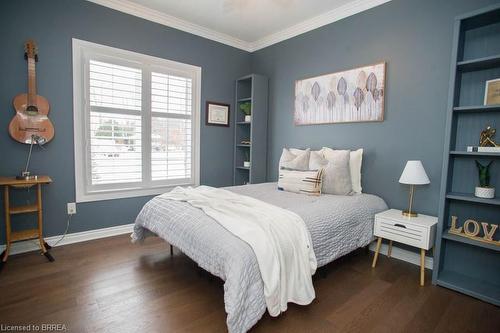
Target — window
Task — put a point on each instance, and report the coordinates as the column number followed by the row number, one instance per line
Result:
column 136, row 122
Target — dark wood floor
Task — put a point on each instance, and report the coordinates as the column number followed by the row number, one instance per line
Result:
column 110, row 285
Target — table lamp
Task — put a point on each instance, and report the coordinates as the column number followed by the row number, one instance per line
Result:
column 35, row 140
column 413, row 174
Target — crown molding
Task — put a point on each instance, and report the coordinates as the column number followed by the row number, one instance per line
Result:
column 149, row 14
column 331, row 16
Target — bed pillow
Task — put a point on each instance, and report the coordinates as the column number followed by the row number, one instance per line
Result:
column 293, row 161
column 337, row 175
column 304, row 182
column 355, row 162
column 316, row 159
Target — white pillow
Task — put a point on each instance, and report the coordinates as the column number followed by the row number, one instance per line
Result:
column 305, row 182
column 298, row 161
column 355, row 162
column 337, row 177
column 316, row 160
column 297, row 151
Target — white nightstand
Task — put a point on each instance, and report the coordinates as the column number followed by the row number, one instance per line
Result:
column 416, row 231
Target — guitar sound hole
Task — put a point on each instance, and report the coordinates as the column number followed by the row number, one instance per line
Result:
column 32, row 108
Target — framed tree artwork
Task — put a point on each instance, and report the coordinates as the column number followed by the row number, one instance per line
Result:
column 217, row 114
column 355, row 95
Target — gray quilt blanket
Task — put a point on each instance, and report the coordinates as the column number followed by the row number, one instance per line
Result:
column 338, row 225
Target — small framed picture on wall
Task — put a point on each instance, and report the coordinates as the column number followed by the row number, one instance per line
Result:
column 492, row 92
column 217, row 114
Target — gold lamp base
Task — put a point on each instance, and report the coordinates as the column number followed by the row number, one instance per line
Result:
column 407, row 213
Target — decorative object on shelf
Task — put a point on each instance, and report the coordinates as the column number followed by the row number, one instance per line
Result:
column 489, row 230
column 486, row 137
column 354, row 95
column 246, row 162
column 413, row 174
column 246, row 108
column 38, row 140
column 475, row 149
column 486, row 142
column 31, row 109
column 217, row 114
column 484, row 190
column 492, row 92
column 246, row 142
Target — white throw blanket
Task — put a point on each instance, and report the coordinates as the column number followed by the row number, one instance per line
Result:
column 279, row 238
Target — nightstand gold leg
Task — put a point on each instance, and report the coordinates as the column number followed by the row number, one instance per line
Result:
column 389, row 250
column 379, row 242
column 422, row 267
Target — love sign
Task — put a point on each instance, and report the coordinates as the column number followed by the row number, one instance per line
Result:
column 473, row 229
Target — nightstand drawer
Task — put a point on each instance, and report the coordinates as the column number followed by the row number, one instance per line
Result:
column 409, row 234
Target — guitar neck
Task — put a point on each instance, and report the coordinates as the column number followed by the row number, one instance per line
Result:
column 31, row 82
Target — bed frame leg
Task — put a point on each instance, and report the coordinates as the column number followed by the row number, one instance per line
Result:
column 367, row 249
column 171, row 250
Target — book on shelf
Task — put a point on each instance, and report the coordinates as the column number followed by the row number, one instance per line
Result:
column 477, row 149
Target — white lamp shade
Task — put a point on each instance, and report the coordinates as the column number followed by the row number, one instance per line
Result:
column 414, row 174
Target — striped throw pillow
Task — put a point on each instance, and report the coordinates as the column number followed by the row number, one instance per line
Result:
column 305, row 182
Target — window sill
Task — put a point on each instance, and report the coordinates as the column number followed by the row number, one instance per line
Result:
column 125, row 193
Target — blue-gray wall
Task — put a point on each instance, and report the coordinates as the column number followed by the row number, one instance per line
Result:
column 414, row 37
column 53, row 24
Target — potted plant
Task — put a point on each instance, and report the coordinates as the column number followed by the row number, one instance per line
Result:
column 246, row 108
column 484, row 190
column 246, row 162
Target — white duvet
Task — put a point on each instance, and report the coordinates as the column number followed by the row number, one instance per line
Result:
column 279, row 238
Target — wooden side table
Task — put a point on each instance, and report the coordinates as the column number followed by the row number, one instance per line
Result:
column 415, row 231
column 35, row 233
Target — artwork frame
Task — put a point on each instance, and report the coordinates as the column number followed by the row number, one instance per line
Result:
column 324, row 99
column 217, row 114
column 490, row 97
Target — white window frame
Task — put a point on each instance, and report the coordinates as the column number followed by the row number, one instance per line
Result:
column 85, row 191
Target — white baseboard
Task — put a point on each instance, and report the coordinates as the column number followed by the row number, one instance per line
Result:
column 405, row 255
column 77, row 237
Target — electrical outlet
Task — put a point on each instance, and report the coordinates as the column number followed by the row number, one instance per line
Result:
column 71, row 208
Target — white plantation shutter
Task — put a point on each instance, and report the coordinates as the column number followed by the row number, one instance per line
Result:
column 115, row 123
column 171, row 105
column 136, row 123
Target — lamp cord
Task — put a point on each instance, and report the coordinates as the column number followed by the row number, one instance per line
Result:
column 62, row 237
column 65, row 232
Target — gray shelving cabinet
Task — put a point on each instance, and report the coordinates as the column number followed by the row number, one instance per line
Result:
column 252, row 88
column 463, row 264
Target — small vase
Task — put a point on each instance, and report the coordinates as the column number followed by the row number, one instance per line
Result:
column 246, row 164
column 248, row 119
column 485, row 192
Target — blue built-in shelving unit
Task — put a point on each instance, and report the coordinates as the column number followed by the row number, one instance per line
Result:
column 252, row 88
column 464, row 264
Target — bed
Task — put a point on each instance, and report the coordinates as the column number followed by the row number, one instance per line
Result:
column 337, row 224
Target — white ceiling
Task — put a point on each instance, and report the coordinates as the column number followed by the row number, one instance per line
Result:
column 246, row 24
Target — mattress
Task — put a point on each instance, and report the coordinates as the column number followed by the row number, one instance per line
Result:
column 337, row 224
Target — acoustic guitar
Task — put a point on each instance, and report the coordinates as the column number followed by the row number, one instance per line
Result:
column 31, row 109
